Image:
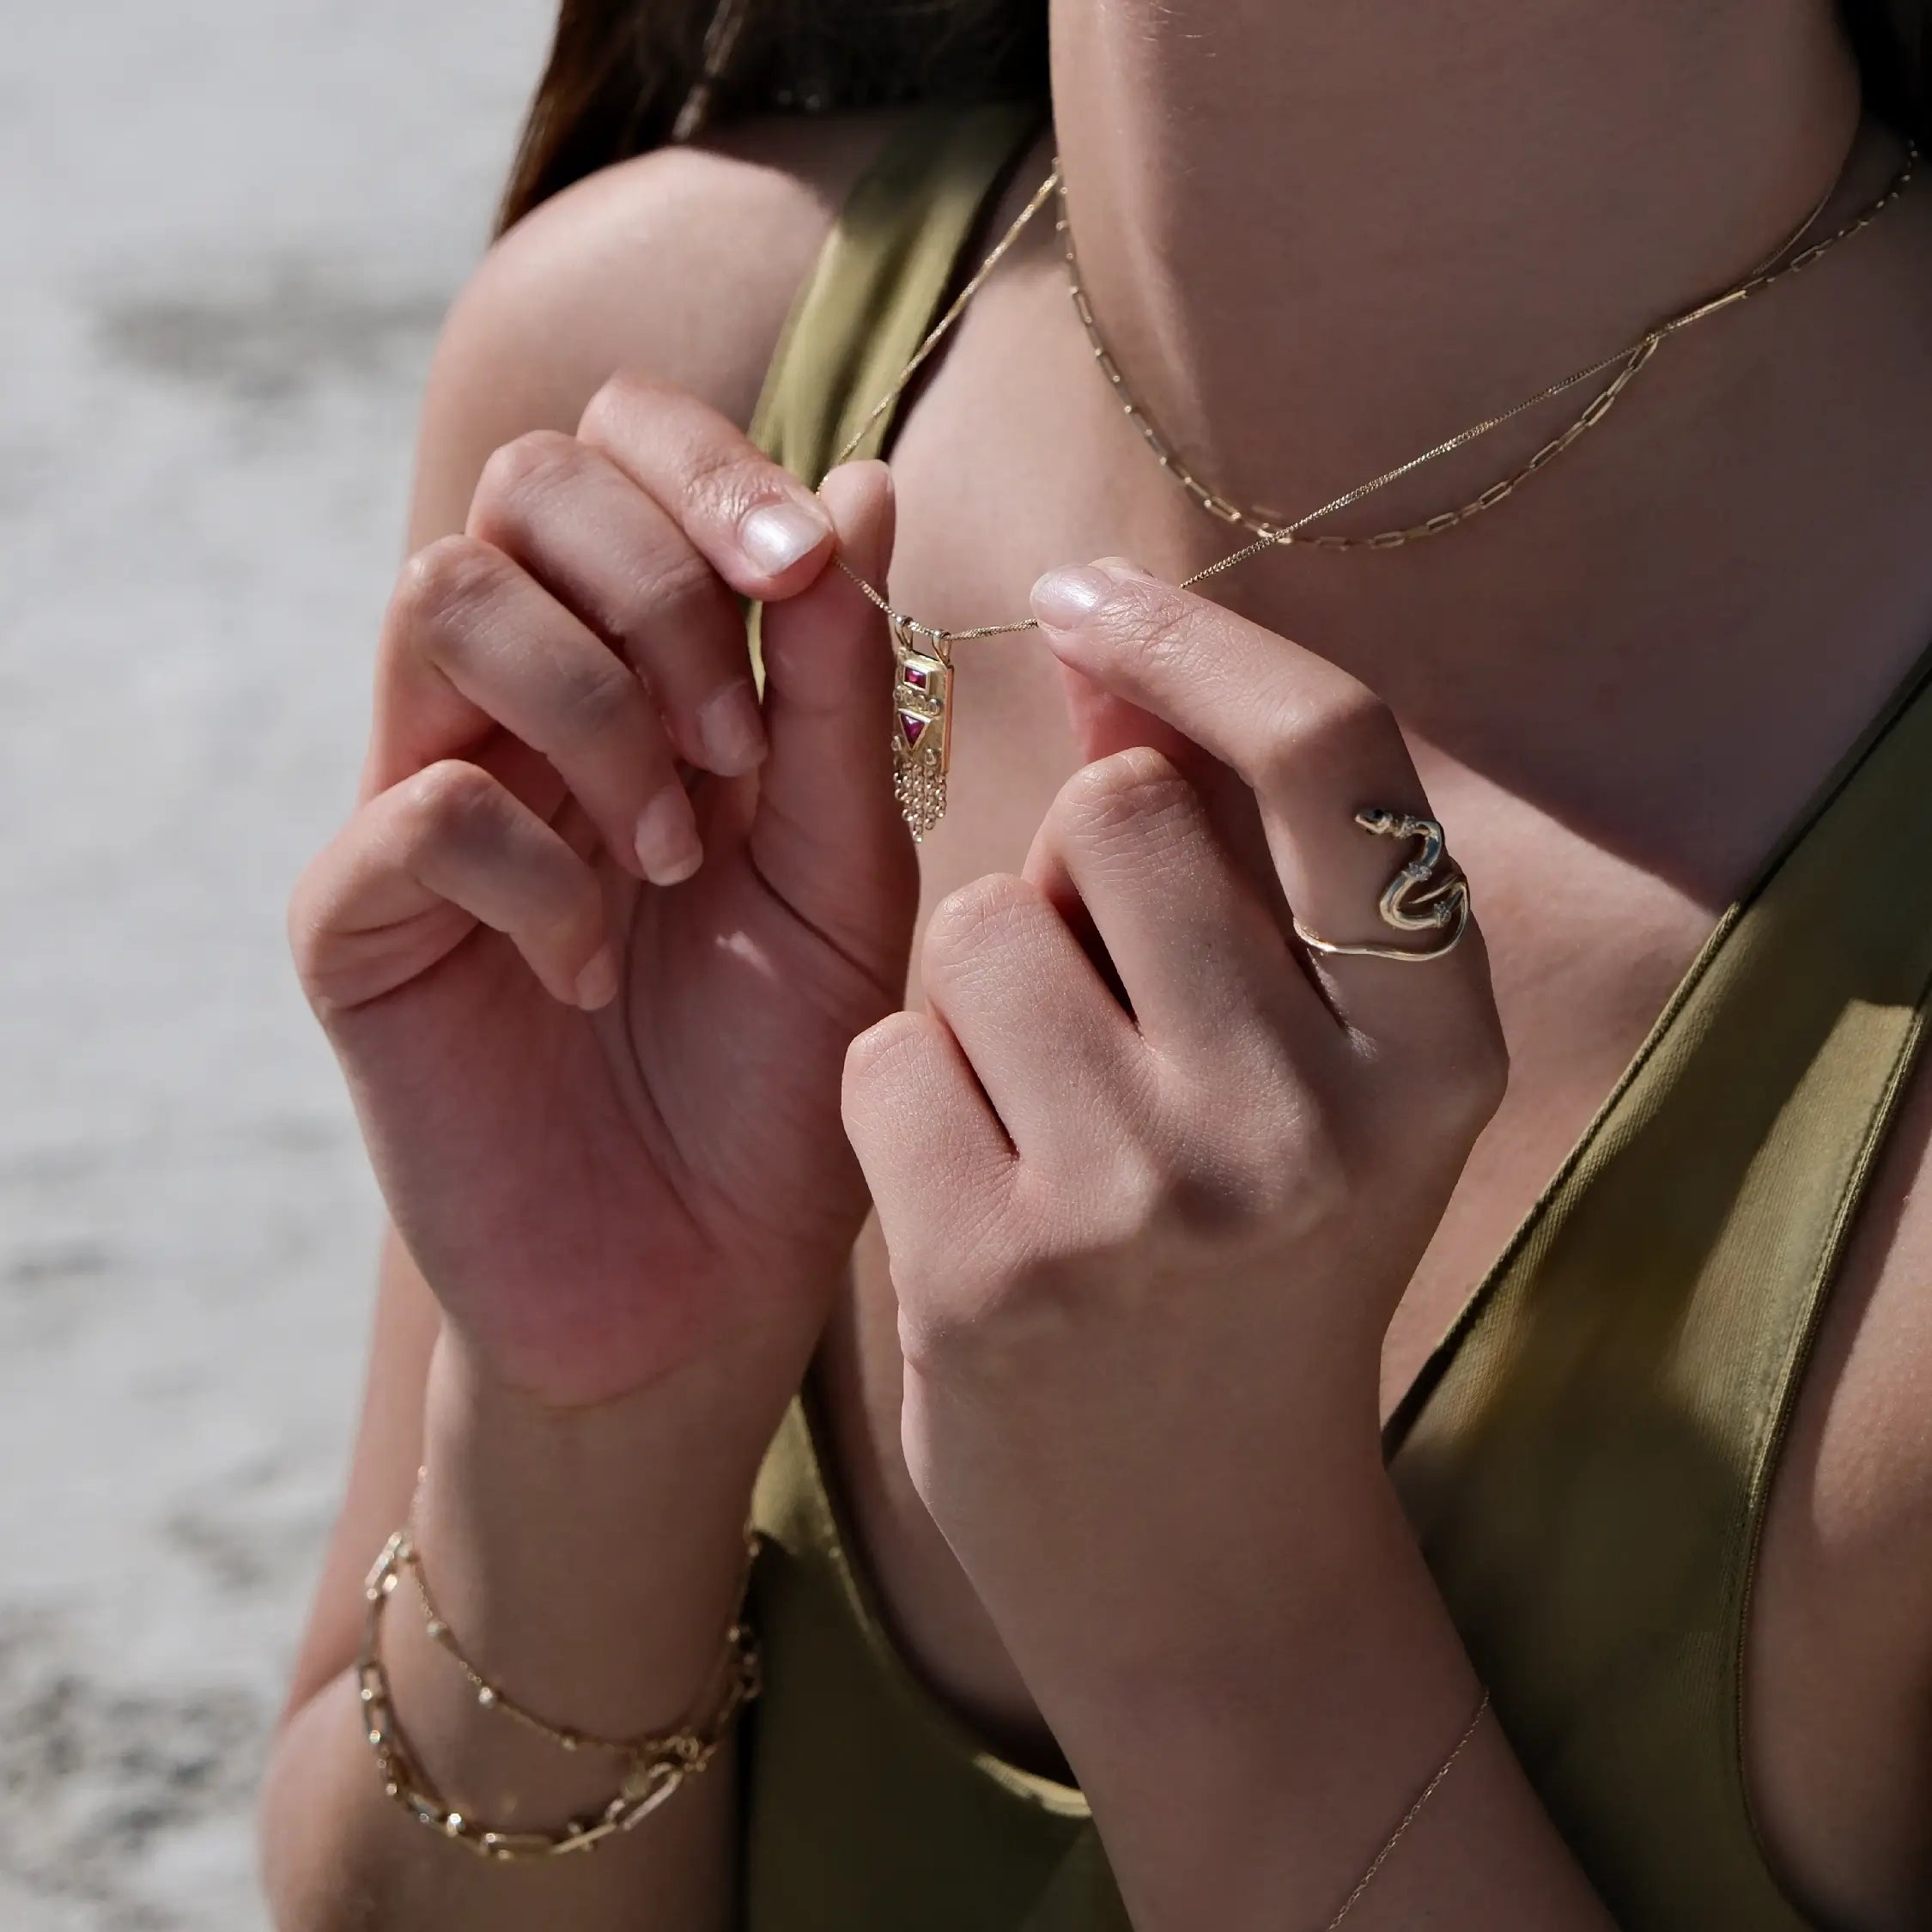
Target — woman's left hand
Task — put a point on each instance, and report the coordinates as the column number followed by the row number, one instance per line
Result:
column 1151, row 1180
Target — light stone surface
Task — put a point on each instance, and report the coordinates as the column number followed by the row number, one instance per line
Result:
column 228, row 230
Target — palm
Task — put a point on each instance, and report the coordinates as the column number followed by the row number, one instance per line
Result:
column 619, row 1186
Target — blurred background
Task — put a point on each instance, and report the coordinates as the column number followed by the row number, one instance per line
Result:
column 228, row 229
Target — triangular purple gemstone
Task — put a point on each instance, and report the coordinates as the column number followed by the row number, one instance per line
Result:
column 912, row 725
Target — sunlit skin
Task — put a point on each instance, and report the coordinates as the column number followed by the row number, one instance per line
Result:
column 1122, row 1494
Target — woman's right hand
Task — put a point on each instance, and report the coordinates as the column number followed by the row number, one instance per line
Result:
column 601, row 1087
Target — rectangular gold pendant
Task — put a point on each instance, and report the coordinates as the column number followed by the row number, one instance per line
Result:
column 921, row 727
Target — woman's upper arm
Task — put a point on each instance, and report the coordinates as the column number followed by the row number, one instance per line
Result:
column 682, row 263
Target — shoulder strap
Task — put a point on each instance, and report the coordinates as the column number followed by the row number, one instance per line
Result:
column 1588, row 1458
column 883, row 272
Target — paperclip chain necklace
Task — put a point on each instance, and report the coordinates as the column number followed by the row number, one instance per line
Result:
column 923, row 674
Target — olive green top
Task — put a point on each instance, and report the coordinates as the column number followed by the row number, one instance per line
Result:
column 1587, row 1457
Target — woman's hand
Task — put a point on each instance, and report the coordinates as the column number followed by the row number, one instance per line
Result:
column 1151, row 1180
column 599, row 1078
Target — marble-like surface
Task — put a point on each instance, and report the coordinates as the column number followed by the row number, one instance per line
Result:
column 228, row 228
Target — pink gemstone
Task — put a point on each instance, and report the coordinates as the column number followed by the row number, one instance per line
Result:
column 915, row 675
column 912, row 725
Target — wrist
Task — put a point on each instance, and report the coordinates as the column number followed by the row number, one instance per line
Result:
column 1240, row 1545
column 727, row 1331
column 1321, row 1616
column 720, row 1404
column 1281, row 1764
column 589, row 1559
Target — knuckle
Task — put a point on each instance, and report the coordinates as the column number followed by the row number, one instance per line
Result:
column 1302, row 1180
column 1133, row 1205
column 305, row 923
column 1321, row 740
column 970, row 920
column 1131, row 792
column 1441, row 1085
column 521, row 474
column 1074, row 1250
column 443, row 579
column 941, row 1335
column 1281, row 1179
column 592, row 696
column 879, row 1056
column 964, row 1311
column 719, row 475
column 448, row 803
column 976, row 1322
column 1468, row 1085
column 1085, row 1218
column 617, row 401
column 1244, row 1143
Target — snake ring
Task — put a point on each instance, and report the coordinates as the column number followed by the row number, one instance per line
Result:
column 1428, row 895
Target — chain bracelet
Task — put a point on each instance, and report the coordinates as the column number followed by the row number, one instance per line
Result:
column 656, row 1765
column 492, row 1696
column 1409, row 1817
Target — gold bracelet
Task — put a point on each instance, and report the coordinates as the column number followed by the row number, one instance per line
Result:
column 655, row 1765
column 1410, row 1816
column 493, row 1697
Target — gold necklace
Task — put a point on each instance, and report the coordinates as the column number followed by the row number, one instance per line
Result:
column 923, row 674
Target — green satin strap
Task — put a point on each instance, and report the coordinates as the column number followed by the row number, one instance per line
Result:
column 881, row 280
column 1588, row 1459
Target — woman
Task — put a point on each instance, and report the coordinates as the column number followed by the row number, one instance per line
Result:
column 1090, row 1591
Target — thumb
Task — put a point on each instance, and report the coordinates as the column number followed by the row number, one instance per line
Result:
column 827, row 836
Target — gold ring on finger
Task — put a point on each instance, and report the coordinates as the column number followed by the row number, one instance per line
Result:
column 1428, row 895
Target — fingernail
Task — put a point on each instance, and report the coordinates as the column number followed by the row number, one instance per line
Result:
column 597, row 985
column 731, row 731
column 667, row 840
column 1064, row 599
column 777, row 535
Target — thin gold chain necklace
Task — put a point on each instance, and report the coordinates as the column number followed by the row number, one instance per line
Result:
column 923, row 675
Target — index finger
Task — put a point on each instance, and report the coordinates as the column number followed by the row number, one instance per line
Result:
column 1315, row 746
column 752, row 520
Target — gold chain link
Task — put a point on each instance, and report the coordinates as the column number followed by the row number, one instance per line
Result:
column 1633, row 359
column 1268, row 534
column 493, row 1697
column 1409, row 1817
column 938, row 333
column 654, row 1767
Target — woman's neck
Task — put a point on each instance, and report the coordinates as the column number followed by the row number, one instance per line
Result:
column 1322, row 238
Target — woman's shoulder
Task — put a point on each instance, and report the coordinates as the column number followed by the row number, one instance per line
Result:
column 681, row 263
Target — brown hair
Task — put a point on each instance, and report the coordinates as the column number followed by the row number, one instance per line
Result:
column 627, row 75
